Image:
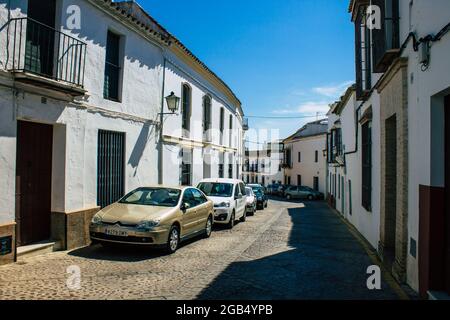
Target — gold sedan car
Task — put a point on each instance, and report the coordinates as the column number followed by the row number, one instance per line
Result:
column 155, row 216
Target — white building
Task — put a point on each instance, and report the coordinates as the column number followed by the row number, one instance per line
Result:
column 304, row 156
column 264, row 166
column 82, row 103
column 403, row 98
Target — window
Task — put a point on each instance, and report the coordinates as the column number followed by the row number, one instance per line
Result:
column 299, row 157
column 350, row 197
column 316, row 156
column 186, row 167
column 339, row 186
column 110, row 167
column 112, row 67
column 231, row 131
column 221, row 165
column 207, row 117
column 366, row 146
column 316, row 183
column 186, row 109
column 230, row 170
column 159, row 197
column 222, row 123
column 288, row 160
column 363, row 53
column 299, row 180
column 199, row 197
column 188, row 198
column 387, row 37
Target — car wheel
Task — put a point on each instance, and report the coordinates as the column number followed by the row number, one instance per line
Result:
column 208, row 228
column 267, row 204
column 244, row 217
column 310, row 198
column 288, row 197
column 174, row 240
column 231, row 223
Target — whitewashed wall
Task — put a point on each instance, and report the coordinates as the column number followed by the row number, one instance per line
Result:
column 308, row 168
column 425, row 92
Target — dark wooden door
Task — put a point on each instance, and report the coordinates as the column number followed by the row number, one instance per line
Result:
column 447, row 187
column 33, row 181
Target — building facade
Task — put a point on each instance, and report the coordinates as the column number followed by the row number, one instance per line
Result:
column 402, row 96
column 264, row 166
column 304, row 156
column 84, row 118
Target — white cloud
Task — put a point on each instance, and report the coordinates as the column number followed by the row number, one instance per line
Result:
column 307, row 108
column 333, row 91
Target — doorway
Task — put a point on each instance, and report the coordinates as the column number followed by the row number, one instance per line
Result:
column 446, row 231
column 390, row 191
column 40, row 45
column 33, row 182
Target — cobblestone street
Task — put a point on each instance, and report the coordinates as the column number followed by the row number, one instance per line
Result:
column 285, row 252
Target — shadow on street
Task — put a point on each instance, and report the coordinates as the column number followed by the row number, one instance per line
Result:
column 322, row 261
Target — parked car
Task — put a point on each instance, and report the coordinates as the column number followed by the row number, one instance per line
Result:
column 229, row 197
column 273, row 189
column 154, row 216
column 261, row 198
column 251, row 201
column 300, row 192
column 278, row 190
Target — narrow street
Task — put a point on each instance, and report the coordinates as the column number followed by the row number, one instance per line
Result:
column 288, row 251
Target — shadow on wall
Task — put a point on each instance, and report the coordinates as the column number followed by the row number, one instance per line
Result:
column 322, row 261
column 140, row 145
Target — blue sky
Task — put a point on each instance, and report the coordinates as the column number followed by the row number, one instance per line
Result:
column 282, row 58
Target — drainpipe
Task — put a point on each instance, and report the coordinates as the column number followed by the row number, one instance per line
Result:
column 356, row 131
column 161, row 127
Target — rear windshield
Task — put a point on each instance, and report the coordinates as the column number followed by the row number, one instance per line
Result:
column 159, row 197
column 216, row 189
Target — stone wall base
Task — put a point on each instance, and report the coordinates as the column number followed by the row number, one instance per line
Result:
column 8, row 230
column 71, row 229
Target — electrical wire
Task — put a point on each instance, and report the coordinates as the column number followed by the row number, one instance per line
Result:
column 285, row 117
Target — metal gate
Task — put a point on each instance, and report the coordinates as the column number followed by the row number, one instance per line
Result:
column 110, row 169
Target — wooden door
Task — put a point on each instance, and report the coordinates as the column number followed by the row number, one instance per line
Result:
column 446, row 257
column 33, row 181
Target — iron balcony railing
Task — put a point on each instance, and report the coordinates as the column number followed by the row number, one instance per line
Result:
column 42, row 50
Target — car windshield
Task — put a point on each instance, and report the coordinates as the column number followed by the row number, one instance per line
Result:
column 159, row 197
column 248, row 191
column 216, row 189
column 257, row 190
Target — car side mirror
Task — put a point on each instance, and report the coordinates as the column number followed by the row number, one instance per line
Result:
column 185, row 206
column 238, row 197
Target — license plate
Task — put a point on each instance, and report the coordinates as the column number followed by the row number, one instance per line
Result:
column 116, row 233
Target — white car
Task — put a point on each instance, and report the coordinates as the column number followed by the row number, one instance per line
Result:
column 251, row 201
column 229, row 197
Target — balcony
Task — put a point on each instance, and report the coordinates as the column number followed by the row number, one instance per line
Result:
column 46, row 57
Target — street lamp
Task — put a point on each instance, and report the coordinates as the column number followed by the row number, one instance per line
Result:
column 173, row 102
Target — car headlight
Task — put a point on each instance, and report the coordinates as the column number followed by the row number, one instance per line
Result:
column 148, row 225
column 96, row 219
column 223, row 205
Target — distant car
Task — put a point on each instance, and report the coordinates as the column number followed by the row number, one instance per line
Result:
column 229, row 197
column 261, row 198
column 300, row 192
column 273, row 189
column 154, row 216
column 251, row 201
